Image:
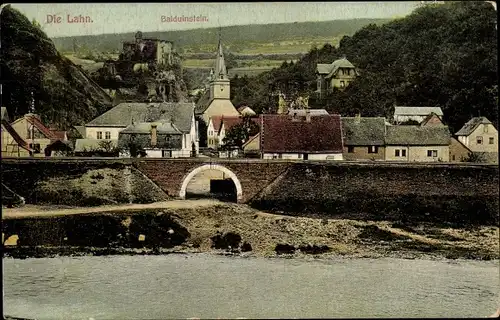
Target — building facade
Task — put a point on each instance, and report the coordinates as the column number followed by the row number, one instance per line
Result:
column 217, row 100
column 339, row 74
column 479, row 135
column 417, row 144
column 31, row 129
column 301, row 138
column 458, row 151
column 364, row 138
column 419, row 114
column 138, row 119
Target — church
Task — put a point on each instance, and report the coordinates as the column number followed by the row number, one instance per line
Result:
column 216, row 101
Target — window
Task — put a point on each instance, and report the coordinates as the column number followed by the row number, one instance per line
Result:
column 35, row 147
column 342, row 84
column 453, row 157
column 479, row 140
column 485, row 128
column 403, row 153
column 108, row 135
column 350, row 149
column 373, row 149
column 99, row 134
column 166, row 154
column 396, row 153
column 492, row 140
column 300, row 155
column 432, row 153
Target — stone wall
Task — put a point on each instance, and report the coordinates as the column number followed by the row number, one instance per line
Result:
column 439, row 193
column 83, row 183
column 254, row 176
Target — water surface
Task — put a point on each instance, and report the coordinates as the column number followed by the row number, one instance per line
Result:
column 208, row 286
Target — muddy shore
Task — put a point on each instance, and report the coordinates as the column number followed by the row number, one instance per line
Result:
column 223, row 228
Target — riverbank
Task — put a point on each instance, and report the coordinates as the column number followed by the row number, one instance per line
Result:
column 222, row 228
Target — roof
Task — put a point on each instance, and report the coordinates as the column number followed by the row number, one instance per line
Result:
column 60, row 135
column 242, row 108
column 58, row 144
column 33, row 120
column 417, row 111
column 80, row 130
column 363, row 131
column 203, row 103
column 257, row 136
column 5, row 114
column 82, row 145
column 471, row 125
column 281, row 133
column 20, row 141
column 228, row 122
column 429, row 117
column 460, row 143
column 331, row 68
column 145, row 128
column 302, row 112
column 124, row 114
column 220, row 71
column 417, row 135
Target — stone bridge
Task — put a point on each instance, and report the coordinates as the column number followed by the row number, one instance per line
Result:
column 249, row 176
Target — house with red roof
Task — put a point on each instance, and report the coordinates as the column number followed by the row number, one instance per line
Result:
column 219, row 126
column 12, row 144
column 301, row 137
column 31, row 129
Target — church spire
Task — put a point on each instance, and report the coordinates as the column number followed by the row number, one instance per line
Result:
column 220, row 65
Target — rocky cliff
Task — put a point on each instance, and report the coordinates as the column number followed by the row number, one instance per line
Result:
column 63, row 94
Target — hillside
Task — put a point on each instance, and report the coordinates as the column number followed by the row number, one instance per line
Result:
column 203, row 40
column 64, row 95
column 441, row 55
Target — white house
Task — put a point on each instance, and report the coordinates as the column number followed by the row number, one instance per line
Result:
column 137, row 120
column 480, row 136
column 219, row 126
column 419, row 114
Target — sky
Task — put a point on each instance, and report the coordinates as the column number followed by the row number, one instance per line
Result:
column 102, row 18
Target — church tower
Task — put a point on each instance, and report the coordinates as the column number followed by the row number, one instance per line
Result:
column 219, row 82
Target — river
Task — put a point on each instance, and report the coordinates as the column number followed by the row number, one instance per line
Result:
column 211, row 286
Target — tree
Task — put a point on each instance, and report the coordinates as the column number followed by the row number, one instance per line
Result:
column 230, row 60
column 475, row 157
column 240, row 133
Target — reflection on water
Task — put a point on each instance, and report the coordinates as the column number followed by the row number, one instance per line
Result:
column 207, row 286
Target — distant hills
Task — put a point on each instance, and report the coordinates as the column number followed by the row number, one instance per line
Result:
column 233, row 35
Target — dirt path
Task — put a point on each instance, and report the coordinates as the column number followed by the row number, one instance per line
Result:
column 50, row 211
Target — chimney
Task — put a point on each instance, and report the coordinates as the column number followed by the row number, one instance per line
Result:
column 153, row 135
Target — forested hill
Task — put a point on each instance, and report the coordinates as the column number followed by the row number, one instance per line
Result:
column 232, row 35
column 441, row 55
column 30, row 63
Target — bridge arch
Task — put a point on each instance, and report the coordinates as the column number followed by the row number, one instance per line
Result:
column 226, row 171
